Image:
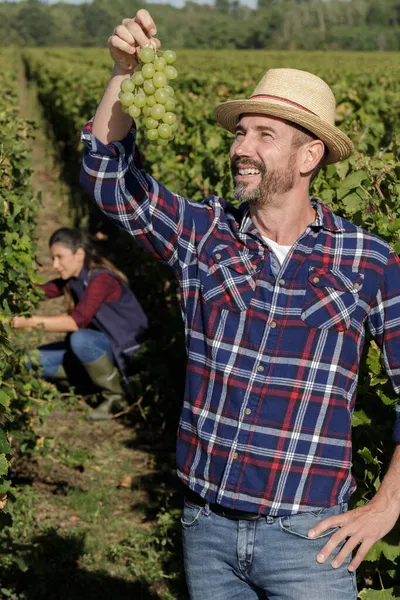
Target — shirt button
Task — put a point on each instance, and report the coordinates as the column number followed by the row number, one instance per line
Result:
column 260, row 368
column 254, row 267
column 316, row 279
column 272, row 324
column 248, row 411
column 235, row 456
column 218, row 256
column 281, row 282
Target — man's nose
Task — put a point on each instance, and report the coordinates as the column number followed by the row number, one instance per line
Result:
column 244, row 146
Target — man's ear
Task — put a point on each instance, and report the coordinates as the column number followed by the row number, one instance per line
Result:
column 312, row 154
column 80, row 253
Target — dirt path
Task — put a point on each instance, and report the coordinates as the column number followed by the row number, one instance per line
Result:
column 88, row 504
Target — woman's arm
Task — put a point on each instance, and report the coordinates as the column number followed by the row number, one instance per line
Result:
column 61, row 323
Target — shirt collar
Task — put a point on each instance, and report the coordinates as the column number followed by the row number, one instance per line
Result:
column 324, row 219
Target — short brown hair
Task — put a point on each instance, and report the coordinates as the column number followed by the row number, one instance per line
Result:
column 301, row 137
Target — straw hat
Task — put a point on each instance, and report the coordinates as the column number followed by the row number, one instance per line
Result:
column 296, row 96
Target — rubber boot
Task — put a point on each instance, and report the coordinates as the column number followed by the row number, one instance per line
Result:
column 61, row 374
column 106, row 376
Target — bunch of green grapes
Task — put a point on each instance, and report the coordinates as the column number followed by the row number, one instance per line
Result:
column 147, row 93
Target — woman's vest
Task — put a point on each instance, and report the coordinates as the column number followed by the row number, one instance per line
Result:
column 122, row 321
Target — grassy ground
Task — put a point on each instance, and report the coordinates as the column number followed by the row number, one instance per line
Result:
column 85, row 513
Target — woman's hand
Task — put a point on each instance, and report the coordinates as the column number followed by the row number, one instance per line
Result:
column 20, row 322
column 129, row 37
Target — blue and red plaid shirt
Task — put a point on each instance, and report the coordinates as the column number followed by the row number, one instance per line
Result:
column 273, row 354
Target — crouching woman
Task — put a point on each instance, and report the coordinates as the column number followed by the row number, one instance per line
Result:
column 104, row 321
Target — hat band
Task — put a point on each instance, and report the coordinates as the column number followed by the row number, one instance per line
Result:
column 284, row 101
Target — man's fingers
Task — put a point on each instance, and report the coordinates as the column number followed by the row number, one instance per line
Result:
column 334, row 541
column 360, row 555
column 329, row 523
column 145, row 20
column 137, row 33
column 123, row 32
column 116, row 43
column 345, row 552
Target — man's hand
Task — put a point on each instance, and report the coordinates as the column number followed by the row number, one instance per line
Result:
column 129, row 37
column 364, row 525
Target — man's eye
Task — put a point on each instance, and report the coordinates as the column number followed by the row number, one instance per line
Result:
column 238, row 134
column 265, row 134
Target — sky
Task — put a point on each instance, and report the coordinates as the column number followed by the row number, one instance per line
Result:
column 177, row 3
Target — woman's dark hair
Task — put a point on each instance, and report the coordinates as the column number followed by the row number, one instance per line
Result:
column 75, row 239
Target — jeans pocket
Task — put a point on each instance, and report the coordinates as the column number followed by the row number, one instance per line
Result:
column 191, row 514
column 301, row 523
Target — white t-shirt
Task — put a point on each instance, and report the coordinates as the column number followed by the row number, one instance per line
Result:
column 280, row 251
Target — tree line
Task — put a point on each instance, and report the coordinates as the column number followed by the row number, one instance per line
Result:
column 274, row 24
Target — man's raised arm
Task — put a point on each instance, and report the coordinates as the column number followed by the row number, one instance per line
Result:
column 110, row 124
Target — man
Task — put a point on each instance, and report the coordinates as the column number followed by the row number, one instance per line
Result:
column 275, row 296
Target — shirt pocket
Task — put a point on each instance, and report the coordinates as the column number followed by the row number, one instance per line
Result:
column 331, row 298
column 229, row 278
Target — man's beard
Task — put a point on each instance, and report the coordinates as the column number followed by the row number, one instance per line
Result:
column 272, row 183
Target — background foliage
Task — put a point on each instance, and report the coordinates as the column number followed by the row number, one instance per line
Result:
column 365, row 189
column 274, row 24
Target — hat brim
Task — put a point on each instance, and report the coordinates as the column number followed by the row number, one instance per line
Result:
column 338, row 144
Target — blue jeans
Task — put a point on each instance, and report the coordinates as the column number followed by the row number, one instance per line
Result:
column 271, row 558
column 86, row 345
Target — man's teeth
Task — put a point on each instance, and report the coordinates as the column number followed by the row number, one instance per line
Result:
column 249, row 172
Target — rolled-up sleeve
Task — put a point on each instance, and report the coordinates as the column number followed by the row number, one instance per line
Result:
column 384, row 324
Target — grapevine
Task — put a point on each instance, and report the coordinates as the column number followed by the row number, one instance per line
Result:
column 147, row 93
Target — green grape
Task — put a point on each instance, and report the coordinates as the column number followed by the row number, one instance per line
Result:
column 138, row 67
column 170, row 57
column 170, row 90
column 125, row 109
column 170, row 72
column 149, row 87
column 159, row 63
column 126, row 98
column 139, row 100
column 147, row 55
column 174, row 126
column 161, row 96
column 170, row 104
column 127, row 85
column 134, row 111
column 152, row 134
column 157, row 112
column 159, row 80
column 164, row 131
column 161, row 142
column 150, row 123
column 146, row 111
column 151, row 101
column 137, row 78
column 148, row 71
column 169, row 118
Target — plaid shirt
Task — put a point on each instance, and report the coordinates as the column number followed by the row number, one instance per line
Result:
column 273, row 356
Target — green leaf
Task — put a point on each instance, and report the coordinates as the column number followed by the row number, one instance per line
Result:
column 4, row 399
column 4, row 444
column 368, row 594
column 393, row 226
column 353, row 181
column 360, row 418
column 3, row 465
column 351, row 203
column 367, row 456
